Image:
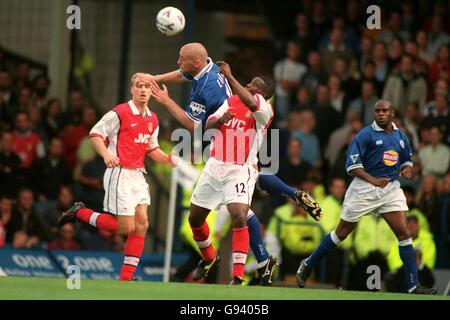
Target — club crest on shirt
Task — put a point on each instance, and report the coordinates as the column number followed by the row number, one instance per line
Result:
column 197, row 108
column 402, row 144
column 248, row 114
column 150, row 127
column 390, row 157
column 354, row 157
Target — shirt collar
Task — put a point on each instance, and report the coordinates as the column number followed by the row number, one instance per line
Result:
column 376, row 127
column 204, row 70
column 135, row 110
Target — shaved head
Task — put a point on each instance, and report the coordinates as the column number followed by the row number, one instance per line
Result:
column 195, row 51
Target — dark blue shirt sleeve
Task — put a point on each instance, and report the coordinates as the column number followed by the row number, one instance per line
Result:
column 356, row 152
column 185, row 75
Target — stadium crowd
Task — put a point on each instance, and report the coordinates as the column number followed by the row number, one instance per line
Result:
column 332, row 72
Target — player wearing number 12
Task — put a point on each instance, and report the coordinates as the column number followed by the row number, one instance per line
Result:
column 230, row 174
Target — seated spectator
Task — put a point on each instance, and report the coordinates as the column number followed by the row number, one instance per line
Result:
column 442, row 233
column 437, row 114
column 303, row 35
column 9, row 100
column 294, row 169
column 437, row 37
column 25, row 230
column 304, row 99
column 435, row 158
column 25, row 100
column 49, row 173
column 422, row 43
column 368, row 74
column 380, row 57
column 411, row 121
column 26, row 143
column 336, row 48
column 441, row 67
column 51, row 119
column 327, row 118
column 10, row 181
column 395, row 29
column 22, row 75
column 66, row 239
column 425, row 258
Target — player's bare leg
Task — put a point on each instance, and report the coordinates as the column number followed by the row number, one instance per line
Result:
column 397, row 222
column 328, row 244
column 240, row 240
column 201, row 232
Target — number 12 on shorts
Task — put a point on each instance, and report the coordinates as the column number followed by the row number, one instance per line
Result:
column 240, row 186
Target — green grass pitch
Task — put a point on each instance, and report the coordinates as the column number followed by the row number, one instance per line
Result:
column 40, row 288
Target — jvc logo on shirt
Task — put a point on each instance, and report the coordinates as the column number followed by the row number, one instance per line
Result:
column 142, row 138
column 236, row 124
column 197, row 108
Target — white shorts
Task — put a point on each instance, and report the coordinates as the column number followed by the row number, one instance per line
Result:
column 224, row 183
column 125, row 188
column 363, row 198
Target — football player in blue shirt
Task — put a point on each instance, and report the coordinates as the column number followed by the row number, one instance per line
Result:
column 376, row 157
column 209, row 90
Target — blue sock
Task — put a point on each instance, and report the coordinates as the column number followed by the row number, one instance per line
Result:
column 408, row 256
column 325, row 247
column 256, row 239
column 274, row 186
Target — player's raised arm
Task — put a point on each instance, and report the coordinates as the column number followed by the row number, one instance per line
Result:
column 245, row 95
column 162, row 97
column 172, row 76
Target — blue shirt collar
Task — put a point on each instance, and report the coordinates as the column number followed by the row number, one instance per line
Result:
column 205, row 69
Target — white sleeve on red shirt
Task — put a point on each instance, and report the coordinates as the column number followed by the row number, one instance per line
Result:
column 107, row 126
column 219, row 112
column 264, row 112
column 153, row 144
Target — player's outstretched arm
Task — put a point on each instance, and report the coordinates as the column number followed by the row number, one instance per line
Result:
column 214, row 123
column 160, row 156
column 245, row 95
column 172, row 76
column 360, row 173
column 109, row 159
column 162, row 96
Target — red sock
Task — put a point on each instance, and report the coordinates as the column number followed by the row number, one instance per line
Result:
column 201, row 237
column 239, row 245
column 103, row 221
column 133, row 251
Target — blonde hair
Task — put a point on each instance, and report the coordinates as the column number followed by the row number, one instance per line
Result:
column 136, row 75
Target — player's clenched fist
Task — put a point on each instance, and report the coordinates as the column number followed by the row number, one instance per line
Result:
column 224, row 68
column 111, row 160
column 227, row 116
column 380, row 182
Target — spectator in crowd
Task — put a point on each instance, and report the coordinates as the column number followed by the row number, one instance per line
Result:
column 91, row 183
column 25, row 230
column 25, row 99
column 442, row 233
column 49, row 173
column 66, row 239
column 310, row 143
column 420, row 66
column 406, row 86
column 8, row 101
column 422, row 44
column 367, row 46
column 428, row 201
column 304, row 100
column 350, row 39
column 410, row 195
column 395, row 29
column 437, row 36
column 303, row 35
column 5, row 218
column 41, row 83
column 319, row 19
column 327, row 118
column 10, row 182
column 441, row 67
column 287, row 74
column 51, row 119
column 74, row 112
column 435, row 158
column 26, row 143
column 294, row 168
column 339, row 98
column 336, row 48
column 316, row 73
column 380, row 57
column 297, row 235
column 411, row 121
column 22, row 75
column 437, row 114
column 75, row 134
column 365, row 104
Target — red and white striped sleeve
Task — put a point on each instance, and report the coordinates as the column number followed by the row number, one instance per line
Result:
column 153, row 144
